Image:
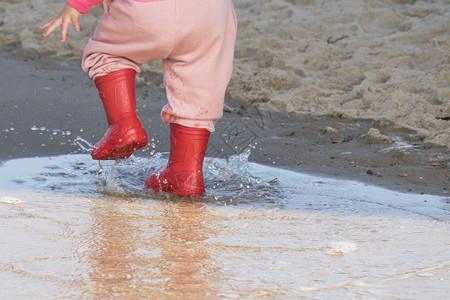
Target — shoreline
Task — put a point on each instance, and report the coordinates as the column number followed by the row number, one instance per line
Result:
column 49, row 103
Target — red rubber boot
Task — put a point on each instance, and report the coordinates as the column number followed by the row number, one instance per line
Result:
column 125, row 133
column 183, row 174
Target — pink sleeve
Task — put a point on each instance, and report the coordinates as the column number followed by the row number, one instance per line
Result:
column 83, row 6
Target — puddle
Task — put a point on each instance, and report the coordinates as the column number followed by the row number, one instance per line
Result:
column 73, row 229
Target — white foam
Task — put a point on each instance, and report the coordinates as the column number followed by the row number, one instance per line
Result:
column 10, row 200
column 342, row 248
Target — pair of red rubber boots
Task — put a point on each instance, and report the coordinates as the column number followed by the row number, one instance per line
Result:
column 183, row 174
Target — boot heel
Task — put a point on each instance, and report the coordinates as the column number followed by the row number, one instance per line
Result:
column 133, row 140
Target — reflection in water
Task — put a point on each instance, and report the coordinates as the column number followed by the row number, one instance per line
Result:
column 186, row 262
column 112, row 256
column 168, row 257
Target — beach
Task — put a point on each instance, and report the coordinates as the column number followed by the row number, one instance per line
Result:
column 327, row 177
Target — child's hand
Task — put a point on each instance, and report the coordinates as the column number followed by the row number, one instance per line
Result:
column 68, row 15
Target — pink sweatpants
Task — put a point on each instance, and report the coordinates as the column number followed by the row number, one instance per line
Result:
column 195, row 40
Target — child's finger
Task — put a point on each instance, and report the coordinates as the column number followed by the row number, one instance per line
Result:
column 51, row 27
column 46, row 25
column 64, row 29
column 49, row 31
column 75, row 22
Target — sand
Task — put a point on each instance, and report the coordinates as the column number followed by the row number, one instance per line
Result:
column 50, row 107
column 354, row 89
column 357, row 59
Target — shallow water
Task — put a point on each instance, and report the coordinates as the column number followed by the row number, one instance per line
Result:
column 73, row 229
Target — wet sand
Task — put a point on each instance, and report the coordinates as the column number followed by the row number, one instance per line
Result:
column 50, row 107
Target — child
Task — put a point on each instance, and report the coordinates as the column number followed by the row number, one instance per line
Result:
column 195, row 40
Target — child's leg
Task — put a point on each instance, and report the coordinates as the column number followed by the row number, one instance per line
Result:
column 130, row 34
column 196, row 74
column 198, row 70
column 195, row 39
column 120, row 44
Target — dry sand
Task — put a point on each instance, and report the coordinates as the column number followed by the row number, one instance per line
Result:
column 371, row 59
column 359, row 89
column 359, row 59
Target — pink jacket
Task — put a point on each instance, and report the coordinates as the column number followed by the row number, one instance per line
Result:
column 83, row 6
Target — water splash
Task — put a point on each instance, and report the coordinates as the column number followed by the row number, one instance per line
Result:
column 233, row 168
column 108, row 183
column 83, row 144
column 227, row 180
column 230, row 182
